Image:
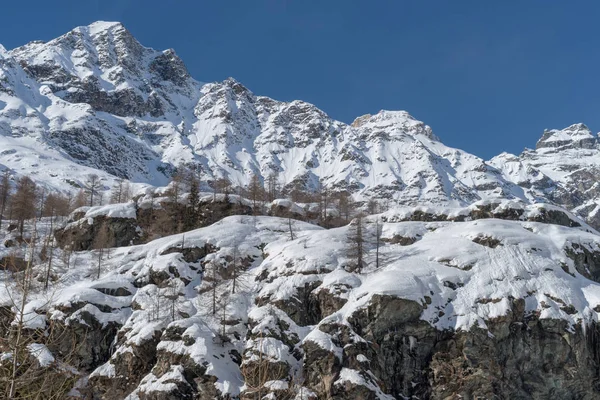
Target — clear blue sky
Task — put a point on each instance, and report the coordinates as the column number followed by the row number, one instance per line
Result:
column 488, row 76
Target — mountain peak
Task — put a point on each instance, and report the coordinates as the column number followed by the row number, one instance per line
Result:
column 574, row 136
column 102, row 26
column 400, row 121
column 383, row 115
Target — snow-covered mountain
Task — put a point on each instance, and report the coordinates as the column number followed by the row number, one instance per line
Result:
column 96, row 97
column 96, row 100
column 465, row 289
column 564, row 169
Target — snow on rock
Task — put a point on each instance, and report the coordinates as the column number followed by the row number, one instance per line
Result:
column 301, row 304
column 41, row 353
column 123, row 210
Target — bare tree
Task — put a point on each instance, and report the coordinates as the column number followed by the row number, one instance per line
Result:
column 101, row 243
column 271, row 183
column 49, row 254
column 220, row 185
column 372, row 206
column 211, row 280
column 4, row 193
column 223, row 185
column 298, row 190
column 55, row 205
column 41, row 198
column 214, row 282
column 67, row 254
column 378, row 231
column 235, row 267
column 356, row 242
column 172, row 294
column 176, row 209
column 223, row 331
column 156, row 304
column 127, row 194
column 255, row 192
column 23, row 203
column 79, row 200
column 323, row 197
column 21, row 320
column 291, row 227
column 193, row 203
column 23, row 375
column 117, row 194
column 92, row 187
column 344, row 205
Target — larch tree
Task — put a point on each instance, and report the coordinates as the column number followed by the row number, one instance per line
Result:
column 372, row 206
column 235, row 272
column 323, row 197
column 92, row 187
column 117, row 192
column 79, row 200
column 255, row 192
column 297, row 191
column 356, row 243
column 223, row 186
column 344, row 205
column 211, row 279
column 21, row 375
column 102, row 241
column 291, row 224
column 377, row 237
column 127, row 192
column 271, row 186
column 54, row 206
column 174, row 194
column 5, row 190
column 23, row 201
column 193, row 203
column 41, row 201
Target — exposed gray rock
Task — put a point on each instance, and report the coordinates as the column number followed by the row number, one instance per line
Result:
column 81, row 235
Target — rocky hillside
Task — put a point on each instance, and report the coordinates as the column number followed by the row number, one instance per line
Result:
column 495, row 300
column 97, row 101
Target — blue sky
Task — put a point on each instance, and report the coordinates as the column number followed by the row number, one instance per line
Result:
column 486, row 76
